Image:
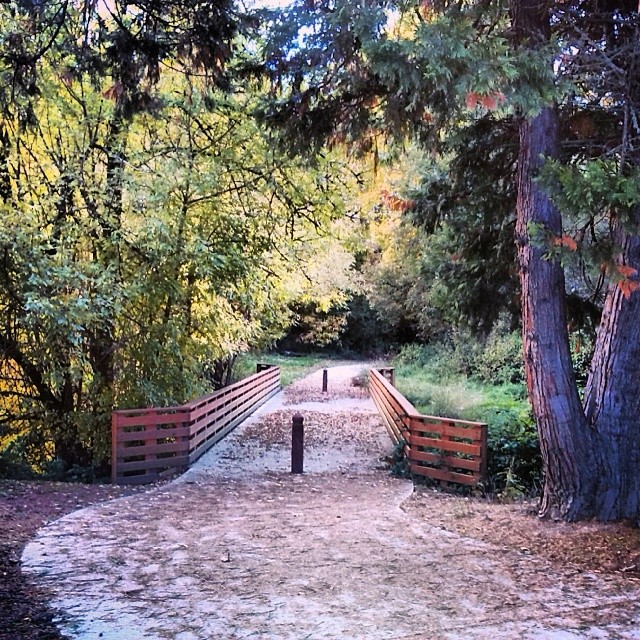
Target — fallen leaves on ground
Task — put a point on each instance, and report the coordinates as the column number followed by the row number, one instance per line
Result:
column 612, row 548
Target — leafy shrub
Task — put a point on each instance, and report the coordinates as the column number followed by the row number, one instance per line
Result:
column 415, row 355
column 448, row 358
column 514, row 466
column 582, row 347
column 514, row 462
column 500, row 360
column 12, row 466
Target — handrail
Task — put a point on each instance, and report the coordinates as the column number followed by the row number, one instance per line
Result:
column 155, row 442
column 444, row 449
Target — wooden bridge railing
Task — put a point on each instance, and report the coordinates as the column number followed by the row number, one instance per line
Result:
column 149, row 444
column 440, row 448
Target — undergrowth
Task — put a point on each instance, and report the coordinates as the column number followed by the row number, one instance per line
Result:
column 484, row 383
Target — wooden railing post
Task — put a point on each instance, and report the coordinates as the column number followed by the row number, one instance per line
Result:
column 390, row 374
column 484, row 452
column 160, row 442
column 114, row 447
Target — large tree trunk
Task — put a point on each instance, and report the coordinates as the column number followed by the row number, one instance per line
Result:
column 612, row 400
column 568, row 445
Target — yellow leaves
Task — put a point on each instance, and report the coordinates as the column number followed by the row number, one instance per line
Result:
column 426, row 9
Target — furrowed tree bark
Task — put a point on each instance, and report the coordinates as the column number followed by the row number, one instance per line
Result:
column 612, row 399
column 567, row 443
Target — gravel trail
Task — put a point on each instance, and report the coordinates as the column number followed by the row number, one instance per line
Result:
column 240, row 548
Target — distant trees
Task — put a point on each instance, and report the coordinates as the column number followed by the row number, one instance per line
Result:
column 150, row 226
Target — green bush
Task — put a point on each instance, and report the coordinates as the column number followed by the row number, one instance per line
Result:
column 451, row 357
column 13, row 466
column 582, row 347
column 500, row 360
column 514, row 465
column 291, row 367
column 414, row 355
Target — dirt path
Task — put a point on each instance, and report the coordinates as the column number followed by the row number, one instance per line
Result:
column 239, row 548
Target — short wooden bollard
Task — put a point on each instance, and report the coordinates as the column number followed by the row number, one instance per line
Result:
column 325, row 380
column 297, row 444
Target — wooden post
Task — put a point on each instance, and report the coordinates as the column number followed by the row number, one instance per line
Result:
column 484, row 453
column 389, row 374
column 297, row 444
column 114, row 447
column 446, row 455
column 325, row 380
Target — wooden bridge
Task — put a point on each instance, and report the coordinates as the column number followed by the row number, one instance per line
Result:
column 451, row 451
column 153, row 443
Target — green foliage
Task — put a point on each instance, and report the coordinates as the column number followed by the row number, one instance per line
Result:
column 151, row 228
column 456, row 232
column 500, row 360
column 582, row 188
column 582, row 346
column 514, row 463
column 397, row 461
column 433, row 379
column 13, row 465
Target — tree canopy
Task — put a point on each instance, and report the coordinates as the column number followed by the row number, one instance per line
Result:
column 150, row 225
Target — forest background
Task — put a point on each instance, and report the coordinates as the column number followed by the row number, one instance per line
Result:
column 185, row 182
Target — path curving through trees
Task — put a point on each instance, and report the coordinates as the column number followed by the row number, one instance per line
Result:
column 239, row 548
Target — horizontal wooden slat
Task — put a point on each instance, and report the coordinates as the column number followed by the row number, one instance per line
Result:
column 446, row 436
column 238, row 388
column 219, row 406
column 143, row 478
column 156, row 418
column 449, row 461
column 451, row 421
column 446, row 429
column 198, row 425
column 392, row 422
column 151, row 463
column 221, row 428
column 154, row 434
column 446, row 476
column 445, row 445
column 181, row 446
column 403, row 404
